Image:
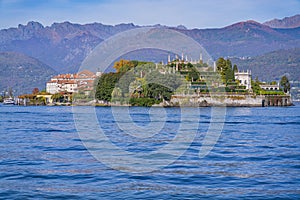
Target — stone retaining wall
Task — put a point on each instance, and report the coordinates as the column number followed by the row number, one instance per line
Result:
column 234, row 100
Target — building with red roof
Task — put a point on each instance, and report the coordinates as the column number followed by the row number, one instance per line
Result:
column 82, row 81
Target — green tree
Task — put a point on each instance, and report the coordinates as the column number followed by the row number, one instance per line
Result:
column 235, row 68
column 172, row 81
column 229, row 71
column 106, row 85
column 285, row 84
column 224, row 67
column 193, row 74
column 124, row 82
column 256, row 86
column 221, row 64
column 159, row 92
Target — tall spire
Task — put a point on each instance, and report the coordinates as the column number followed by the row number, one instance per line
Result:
column 215, row 66
column 182, row 58
column 201, row 59
column 169, row 58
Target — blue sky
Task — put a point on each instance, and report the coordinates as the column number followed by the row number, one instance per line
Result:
column 191, row 13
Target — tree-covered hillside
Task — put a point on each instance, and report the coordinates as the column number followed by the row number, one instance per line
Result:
column 22, row 73
column 273, row 65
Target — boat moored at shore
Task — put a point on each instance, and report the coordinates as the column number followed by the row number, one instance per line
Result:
column 9, row 101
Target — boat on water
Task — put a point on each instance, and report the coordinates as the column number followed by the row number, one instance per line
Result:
column 8, row 101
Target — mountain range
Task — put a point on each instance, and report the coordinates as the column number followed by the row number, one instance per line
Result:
column 63, row 46
column 287, row 22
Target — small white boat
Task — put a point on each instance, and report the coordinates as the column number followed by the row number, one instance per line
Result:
column 8, row 101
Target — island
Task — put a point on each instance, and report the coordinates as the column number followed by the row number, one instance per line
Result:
column 179, row 82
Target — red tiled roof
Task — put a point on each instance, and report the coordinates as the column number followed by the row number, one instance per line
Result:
column 86, row 73
column 66, row 82
column 84, row 78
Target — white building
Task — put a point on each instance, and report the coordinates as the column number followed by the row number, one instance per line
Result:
column 270, row 87
column 244, row 78
column 69, row 86
column 52, row 87
column 82, row 81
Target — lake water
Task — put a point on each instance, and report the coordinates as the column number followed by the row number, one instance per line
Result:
column 256, row 156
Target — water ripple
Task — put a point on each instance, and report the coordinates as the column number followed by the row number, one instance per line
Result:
column 257, row 156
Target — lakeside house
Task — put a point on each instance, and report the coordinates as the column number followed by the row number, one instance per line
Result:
column 270, row 87
column 61, row 88
column 80, row 82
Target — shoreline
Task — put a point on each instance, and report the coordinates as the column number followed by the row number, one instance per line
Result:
column 215, row 100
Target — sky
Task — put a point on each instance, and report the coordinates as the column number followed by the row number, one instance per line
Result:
column 190, row 13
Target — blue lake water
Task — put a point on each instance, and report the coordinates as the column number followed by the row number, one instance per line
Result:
column 257, row 155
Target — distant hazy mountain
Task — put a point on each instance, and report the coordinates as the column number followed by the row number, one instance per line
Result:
column 248, row 38
column 63, row 46
column 272, row 66
column 287, row 22
column 22, row 73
